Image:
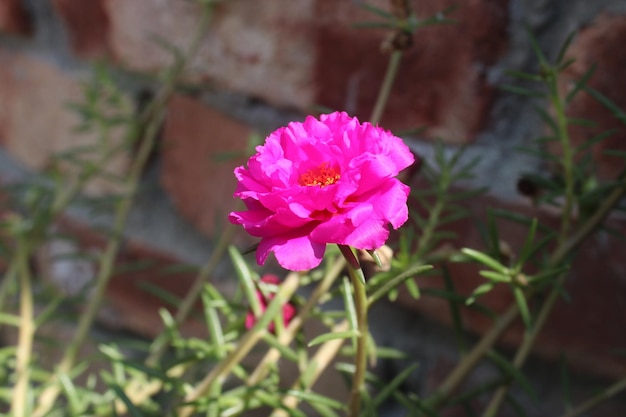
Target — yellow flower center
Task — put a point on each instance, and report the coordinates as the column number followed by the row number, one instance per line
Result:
column 320, row 176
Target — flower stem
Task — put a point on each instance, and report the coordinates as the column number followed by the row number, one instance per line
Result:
column 385, row 89
column 361, row 307
column 360, row 302
column 19, row 401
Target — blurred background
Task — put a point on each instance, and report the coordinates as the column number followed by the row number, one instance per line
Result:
column 263, row 63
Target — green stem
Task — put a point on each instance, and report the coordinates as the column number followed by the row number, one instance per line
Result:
column 360, row 360
column 385, row 89
column 19, row 401
column 611, row 391
column 567, row 158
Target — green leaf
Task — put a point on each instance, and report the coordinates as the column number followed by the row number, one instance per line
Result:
column 390, row 353
column 159, row 292
column 214, row 325
column 485, row 260
column 348, row 300
column 566, row 44
column 392, row 283
column 246, row 278
column 494, row 237
column 10, row 319
column 367, row 405
column 72, row 394
column 580, row 84
column 130, row 407
column 522, row 91
column 373, row 25
column 274, row 401
column 617, row 112
column 527, row 248
column 116, row 357
column 333, row 336
column 583, row 147
column 536, row 48
column 412, row 287
column 312, row 397
column 284, row 350
column 538, row 246
column 547, row 118
column 480, row 290
column 565, row 64
column 537, row 153
column 323, row 411
column 581, row 122
column 548, row 273
column 376, row 258
column 523, row 75
column 495, row 276
column 522, row 305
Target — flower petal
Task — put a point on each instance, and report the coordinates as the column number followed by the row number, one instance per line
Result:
column 295, row 254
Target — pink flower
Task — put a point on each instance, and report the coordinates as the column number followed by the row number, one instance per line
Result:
column 323, row 181
column 289, row 311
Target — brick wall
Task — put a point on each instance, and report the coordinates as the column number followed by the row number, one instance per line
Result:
column 263, row 63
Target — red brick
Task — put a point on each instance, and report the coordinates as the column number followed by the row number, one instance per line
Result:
column 601, row 44
column 259, row 49
column 589, row 329
column 35, row 123
column 87, row 24
column 15, row 19
column 441, row 82
column 300, row 54
column 194, row 137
